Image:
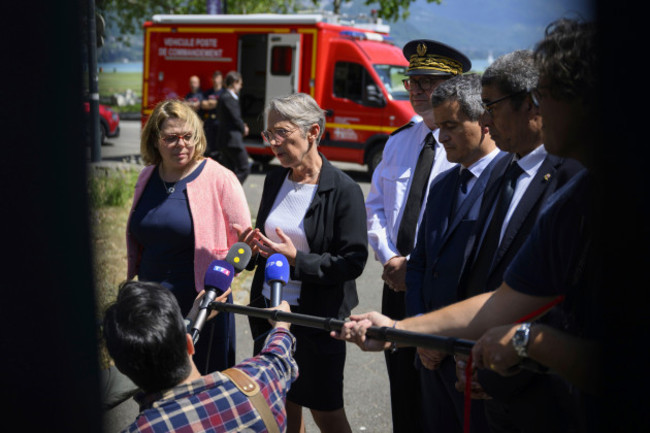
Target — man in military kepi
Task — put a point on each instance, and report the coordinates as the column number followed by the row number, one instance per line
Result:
column 411, row 160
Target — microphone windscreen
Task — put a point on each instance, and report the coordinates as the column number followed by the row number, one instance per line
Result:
column 238, row 256
column 219, row 276
column 277, row 269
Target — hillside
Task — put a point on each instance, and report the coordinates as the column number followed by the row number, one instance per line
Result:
column 478, row 28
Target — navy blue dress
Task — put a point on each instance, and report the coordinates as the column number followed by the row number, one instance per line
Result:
column 162, row 224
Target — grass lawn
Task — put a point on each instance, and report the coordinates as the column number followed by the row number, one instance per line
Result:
column 117, row 82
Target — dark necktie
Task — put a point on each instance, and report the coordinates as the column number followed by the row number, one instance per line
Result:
column 488, row 248
column 464, row 175
column 408, row 224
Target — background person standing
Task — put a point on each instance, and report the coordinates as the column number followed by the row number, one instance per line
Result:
column 209, row 112
column 232, row 128
column 194, row 96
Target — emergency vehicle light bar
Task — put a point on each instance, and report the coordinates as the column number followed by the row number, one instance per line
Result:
column 364, row 36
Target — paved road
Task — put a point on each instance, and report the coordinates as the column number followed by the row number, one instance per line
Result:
column 366, row 384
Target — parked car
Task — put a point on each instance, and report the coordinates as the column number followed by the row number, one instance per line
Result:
column 109, row 121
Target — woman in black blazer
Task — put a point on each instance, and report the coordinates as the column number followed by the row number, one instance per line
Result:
column 314, row 215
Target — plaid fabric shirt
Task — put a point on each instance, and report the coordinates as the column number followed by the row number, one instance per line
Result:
column 214, row 404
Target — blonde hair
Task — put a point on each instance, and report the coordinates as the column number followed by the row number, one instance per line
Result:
column 170, row 109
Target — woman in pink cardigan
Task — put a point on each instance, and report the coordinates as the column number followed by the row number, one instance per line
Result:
column 181, row 220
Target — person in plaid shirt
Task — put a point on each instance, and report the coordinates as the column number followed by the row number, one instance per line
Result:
column 147, row 338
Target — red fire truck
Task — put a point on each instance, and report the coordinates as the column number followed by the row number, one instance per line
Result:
column 353, row 70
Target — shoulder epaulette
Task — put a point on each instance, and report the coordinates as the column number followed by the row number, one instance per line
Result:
column 408, row 125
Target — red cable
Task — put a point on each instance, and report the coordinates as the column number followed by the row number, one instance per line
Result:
column 468, row 367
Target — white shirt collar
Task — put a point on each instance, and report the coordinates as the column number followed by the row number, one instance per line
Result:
column 531, row 162
column 478, row 167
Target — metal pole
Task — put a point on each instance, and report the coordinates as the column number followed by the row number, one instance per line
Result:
column 444, row 344
column 93, row 90
column 449, row 345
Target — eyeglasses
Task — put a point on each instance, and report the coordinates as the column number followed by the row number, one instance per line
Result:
column 279, row 135
column 171, row 139
column 489, row 106
column 424, row 84
column 536, row 95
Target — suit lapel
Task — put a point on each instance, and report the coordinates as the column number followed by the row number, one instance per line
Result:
column 532, row 195
column 438, row 210
column 477, row 191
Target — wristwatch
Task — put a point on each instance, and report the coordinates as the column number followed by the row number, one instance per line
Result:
column 520, row 340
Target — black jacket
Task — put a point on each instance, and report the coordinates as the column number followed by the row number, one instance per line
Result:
column 231, row 126
column 335, row 228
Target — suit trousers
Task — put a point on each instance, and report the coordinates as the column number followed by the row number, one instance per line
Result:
column 236, row 159
column 404, row 379
column 443, row 406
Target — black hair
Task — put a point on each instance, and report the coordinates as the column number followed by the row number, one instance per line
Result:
column 145, row 335
column 567, row 59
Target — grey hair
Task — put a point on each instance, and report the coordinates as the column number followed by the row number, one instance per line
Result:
column 299, row 109
column 466, row 89
column 514, row 73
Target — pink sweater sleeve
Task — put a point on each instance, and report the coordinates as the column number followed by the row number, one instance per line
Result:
column 217, row 200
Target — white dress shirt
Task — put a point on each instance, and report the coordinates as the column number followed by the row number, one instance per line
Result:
column 391, row 182
column 476, row 169
column 530, row 164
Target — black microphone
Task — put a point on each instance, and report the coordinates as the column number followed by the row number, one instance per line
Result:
column 238, row 256
column 216, row 281
column 276, row 274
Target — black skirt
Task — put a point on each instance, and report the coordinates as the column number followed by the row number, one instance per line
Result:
column 320, row 359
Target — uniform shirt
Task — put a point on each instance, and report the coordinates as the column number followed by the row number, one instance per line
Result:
column 391, row 182
column 194, row 96
column 211, row 94
column 214, row 404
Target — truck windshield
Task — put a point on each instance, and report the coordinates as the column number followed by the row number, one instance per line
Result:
column 392, row 76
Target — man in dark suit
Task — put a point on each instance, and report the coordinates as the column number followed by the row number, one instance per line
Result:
column 232, row 128
column 435, row 265
column 520, row 186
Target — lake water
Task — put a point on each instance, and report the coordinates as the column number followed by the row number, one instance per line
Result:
column 477, row 65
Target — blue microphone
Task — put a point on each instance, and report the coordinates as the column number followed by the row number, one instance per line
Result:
column 276, row 275
column 217, row 280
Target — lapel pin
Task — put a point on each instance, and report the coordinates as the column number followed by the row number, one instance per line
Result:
column 547, row 176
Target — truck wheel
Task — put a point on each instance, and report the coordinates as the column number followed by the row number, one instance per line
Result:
column 374, row 158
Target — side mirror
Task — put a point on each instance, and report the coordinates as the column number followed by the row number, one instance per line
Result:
column 373, row 97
